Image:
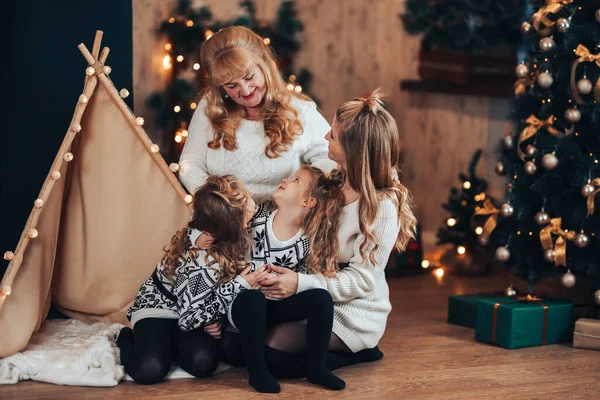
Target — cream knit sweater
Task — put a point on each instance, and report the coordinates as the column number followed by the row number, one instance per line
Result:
column 248, row 162
column 359, row 290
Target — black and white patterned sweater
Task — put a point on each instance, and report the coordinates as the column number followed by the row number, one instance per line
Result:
column 193, row 298
column 267, row 249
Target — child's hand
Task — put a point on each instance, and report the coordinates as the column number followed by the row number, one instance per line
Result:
column 205, row 241
column 214, row 330
column 254, row 278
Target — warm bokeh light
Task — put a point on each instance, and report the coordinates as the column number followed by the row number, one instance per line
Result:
column 180, row 58
column 196, row 66
column 168, row 46
column 451, row 222
column 267, row 41
column 461, row 250
column 467, row 185
column 167, row 62
column 439, row 272
column 425, row 264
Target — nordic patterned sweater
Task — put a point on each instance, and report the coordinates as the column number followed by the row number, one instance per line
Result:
column 268, row 249
column 194, row 298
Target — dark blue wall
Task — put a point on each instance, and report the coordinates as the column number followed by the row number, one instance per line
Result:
column 42, row 77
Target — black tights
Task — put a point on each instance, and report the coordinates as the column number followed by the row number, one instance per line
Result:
column 253, row 314
column 148, row 351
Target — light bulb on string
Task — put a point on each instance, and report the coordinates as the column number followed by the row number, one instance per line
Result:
column 467, row 185
column 196, row 66
column 425, row 264
column 461, row 250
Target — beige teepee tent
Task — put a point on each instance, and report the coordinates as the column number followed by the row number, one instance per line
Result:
column 107, row 208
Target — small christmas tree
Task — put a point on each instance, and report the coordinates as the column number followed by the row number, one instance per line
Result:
column 467, row 255
column 551, row 157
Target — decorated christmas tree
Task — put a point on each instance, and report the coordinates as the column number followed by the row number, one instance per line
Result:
column 467, row 25
column 467, row 255
column 185, row 31
column 549, row 224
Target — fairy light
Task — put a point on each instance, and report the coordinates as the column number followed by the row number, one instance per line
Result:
column 176, row 109
column 32, row 233
column 290, row 87
column 478, row 230
column 439, row 272
column 467, row 185
column 68, row 157
column 167, row 62
column 174, row 167
column 168, row 46
column 184, row 133
column 106, row 69
column 179, row 58
column 178, row 138
column 6, row 290
column 77, row 128
column 9, row 255
column 208, row 34
column 124, row 93
column 267, row 41
column 188, row 198
column 171, row 20
column 193, row 106
column 425, row 264
column 196, row 66
column 298, row 89
column 83, row 99
column 190, row 23
column 139, row 121
column 55, row 175
column 38, row 203
column 451, row 222
column 292, row 78
column 154, row 148
column 89, row 71
column 461, row 250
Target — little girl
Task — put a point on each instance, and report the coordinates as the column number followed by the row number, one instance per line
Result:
column 191, row 288
column 300, row 232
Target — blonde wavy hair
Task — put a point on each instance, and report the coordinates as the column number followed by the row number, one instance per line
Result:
column 369, row 137
column 219, row 207
column 232, row 53
column 321, row 222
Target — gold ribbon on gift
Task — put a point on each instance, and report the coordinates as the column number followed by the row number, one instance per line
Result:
column 552, row 6
column 584, row 56
column 526, row 300
column 590, row 199
column 487, row 209
column 533, row 125
column 560, row 247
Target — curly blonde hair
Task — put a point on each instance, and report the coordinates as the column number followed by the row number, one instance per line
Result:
column 232, row 53
column 219, row 207
column 369, row 137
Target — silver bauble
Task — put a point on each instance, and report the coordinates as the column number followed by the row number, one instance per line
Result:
column 542, row 218
column 584, row 86
column 549, row 161
column 563, row 25
column 525, row 28
column 508, row 142
column 597, row 296
column 502, row 254
column 530, row 168
column 530, row 150
column 572, row 115
column 568, row 279
column 507, row 210
column 510, row 291
column 549, row 255
column 547, row 44
column 500, row 170
column 587, row 190
column 545, row 80
column 582, row 240
column 522, row 70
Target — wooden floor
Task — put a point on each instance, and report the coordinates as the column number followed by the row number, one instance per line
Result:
column 425, row 358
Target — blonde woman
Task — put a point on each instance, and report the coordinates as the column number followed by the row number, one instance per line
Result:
column 376, row 217
column 248, row 124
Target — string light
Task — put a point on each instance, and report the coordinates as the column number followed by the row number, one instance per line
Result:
column 439, row 272
column 190, row 23
column 425, row 264
column 38, row 203
column 89, row 71
column 171, row 20
column 292, row 78
column 6, row 290
column 196, row 66
column 461, row 250
column 32, row 233
column 193, row 106
column 124, row 93
column 290, row 87
column 298, row 89
column 68, row 157
column 139, row 121
column 106, row 69
column 168, row 46
column 184, row 133
column 188, row 198
column 55, row 175
column 467, row 185
column 178, row 138
column 478, row 230
column 9, row 255
column 77, row 128
column 154, row 148
column 176, row 109
column 179, row 58
column 267, row 41
column 174, row 167
column 208, row 34
column 83, row 99
column 451, row 222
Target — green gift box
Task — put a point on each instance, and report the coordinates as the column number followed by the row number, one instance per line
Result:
column 462, row 309
column 524, row 322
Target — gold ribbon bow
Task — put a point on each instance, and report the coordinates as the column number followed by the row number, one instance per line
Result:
column 521, row 299
column 533, row 125
column 584, row 56
column 552, row 6
column 487, row 209
column 522, row 84
column 560, row 247
column 590, row 199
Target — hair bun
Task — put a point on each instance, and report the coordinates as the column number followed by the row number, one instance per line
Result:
column 373, row 101
column 335, row 180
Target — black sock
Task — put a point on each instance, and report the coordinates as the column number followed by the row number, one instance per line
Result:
column 249, row 312
column 125, row 345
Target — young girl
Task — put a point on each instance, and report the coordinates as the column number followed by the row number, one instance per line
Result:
column 301, row 231
column 191, row 288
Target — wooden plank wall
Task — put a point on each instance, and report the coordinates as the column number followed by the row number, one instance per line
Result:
column 351, row 47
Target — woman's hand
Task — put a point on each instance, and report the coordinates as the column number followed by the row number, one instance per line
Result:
column 205, row 241
column 214, row 330
column 254, row 278
column 281, row 285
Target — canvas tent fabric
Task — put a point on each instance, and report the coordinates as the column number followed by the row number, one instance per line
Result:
column 105, row 218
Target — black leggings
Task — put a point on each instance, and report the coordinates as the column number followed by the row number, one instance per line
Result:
column 148, row 351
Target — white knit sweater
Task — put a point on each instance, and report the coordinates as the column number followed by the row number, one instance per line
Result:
column 359, row 290
column 248, row 162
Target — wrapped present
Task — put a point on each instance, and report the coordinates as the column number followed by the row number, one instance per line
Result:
column 462, row 309
column 524, row 322
column 587, row 334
